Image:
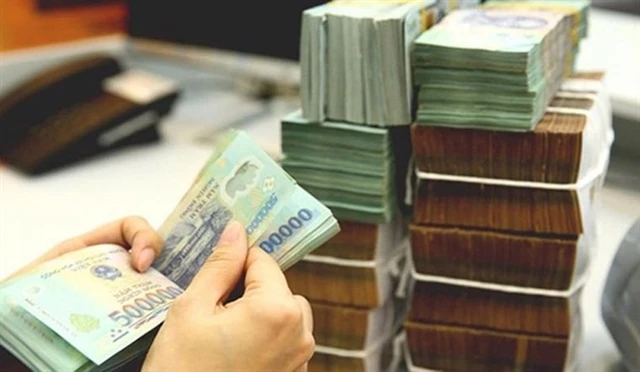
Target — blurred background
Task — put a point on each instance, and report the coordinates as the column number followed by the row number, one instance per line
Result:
column 208, row 70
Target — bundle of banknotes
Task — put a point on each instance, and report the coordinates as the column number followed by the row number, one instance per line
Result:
column 355, row 59
column 491, row 68
column 576, row 9
column 358, row 171
column 115, row 309
column 357, row 289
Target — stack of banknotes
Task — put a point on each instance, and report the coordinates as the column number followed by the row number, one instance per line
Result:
column 510, row 150
column 356, row 284
column 116, row 309
column 355, row 59
column 470, row 75
column 504, row 230
column 576, row 9
column 350, row 147
column 358, row 171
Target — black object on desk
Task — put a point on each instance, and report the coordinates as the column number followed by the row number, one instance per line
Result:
column 79, row 109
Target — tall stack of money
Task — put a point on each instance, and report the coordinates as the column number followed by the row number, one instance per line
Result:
column 504, row 227
column 350, row 146
column 359, row 173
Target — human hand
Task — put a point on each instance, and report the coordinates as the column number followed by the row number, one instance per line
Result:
column 130, row 232
column 267, row 329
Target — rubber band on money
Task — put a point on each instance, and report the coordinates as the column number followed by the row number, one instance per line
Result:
column 582, row 85
column 500, row 287
column 601, row 103
column 330, row 260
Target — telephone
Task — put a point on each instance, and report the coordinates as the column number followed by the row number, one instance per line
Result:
column 79, row 109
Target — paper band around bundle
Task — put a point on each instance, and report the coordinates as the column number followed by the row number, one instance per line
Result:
column 582, row 85
column 500, row 287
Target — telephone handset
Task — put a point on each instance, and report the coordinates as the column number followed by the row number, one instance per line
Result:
column 78, row 109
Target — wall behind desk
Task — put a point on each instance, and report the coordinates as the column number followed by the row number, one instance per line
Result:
column 32, row 23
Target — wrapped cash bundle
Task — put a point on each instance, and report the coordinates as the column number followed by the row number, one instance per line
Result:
column 115, row 308
column 379, row 358
column 356, row 275
column 461, row 349
column 355, row 59
column 357, row 171
column 567, row 145
column 499, row 308
column 546, row 262
column 500, row 207
column 490, row 69
column 576, row 10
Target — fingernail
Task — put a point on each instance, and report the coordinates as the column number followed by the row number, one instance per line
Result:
column 231, row 233
column 146, row 258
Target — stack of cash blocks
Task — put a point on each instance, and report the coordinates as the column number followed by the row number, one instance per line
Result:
column 503, row 227
column 350, row 147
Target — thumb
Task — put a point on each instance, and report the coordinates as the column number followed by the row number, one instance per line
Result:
column 222, row 270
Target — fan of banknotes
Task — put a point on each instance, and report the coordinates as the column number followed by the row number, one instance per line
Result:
column 89, row 310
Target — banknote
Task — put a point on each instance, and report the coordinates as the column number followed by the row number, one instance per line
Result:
column 290, row 235
column 95, row 300
column 239, row 182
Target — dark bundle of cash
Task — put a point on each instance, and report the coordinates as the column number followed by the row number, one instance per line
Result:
column 504, row 208
column 491, row 69
column 549, row 262
column 357, row 171
column 462, row 349
column 381, row 358
column 365, row 284
column 564, row 146
column 546, row 313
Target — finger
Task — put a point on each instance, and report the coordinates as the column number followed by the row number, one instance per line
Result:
column 130, row 232
column 307, row 313
column 222, row 270
column 302, row 368
column 262, row 272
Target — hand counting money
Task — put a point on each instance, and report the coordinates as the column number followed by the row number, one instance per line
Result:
column 90, row 310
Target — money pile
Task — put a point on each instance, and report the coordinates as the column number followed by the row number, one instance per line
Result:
column 357, row 171
column 356, row 288
column 355, row 59
column 471, row 75
column 116, row 309
column 577, row 10
column 503, row 236
column 350, row 147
